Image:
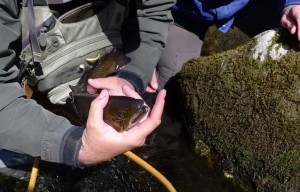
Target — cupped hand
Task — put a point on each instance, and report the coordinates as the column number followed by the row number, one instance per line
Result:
column 290, row 19
column 101, row 142
column 114, row 85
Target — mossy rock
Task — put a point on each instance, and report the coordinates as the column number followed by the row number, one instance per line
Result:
column 245, row 105
column 216, row 41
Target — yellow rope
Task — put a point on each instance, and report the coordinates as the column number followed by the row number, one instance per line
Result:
column 129, row 154
column 151, row 169
column 34, row 173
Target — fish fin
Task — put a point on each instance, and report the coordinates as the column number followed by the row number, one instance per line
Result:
column 72, row 87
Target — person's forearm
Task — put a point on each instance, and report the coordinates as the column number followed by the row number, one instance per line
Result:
column 27, row 127
column 144, row 37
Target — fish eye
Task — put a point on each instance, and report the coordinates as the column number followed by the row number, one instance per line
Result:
column 120, row 116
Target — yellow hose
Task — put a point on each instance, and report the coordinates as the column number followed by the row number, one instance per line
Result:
column 129, row 154
column 34, row 173
column 150, row 169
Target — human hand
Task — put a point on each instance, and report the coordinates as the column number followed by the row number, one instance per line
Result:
column 114, row 85
column 101, row 142
column 153, row 85
column 290, row 19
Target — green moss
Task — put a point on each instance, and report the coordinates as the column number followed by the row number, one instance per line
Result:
column 202, row 149
column 216, row 41
column 288, row 162
column 248, row 112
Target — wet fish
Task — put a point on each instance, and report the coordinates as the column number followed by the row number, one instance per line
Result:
column 121, row 112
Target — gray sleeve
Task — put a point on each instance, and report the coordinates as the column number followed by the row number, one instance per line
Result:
column 145, row 33
column 26, row 127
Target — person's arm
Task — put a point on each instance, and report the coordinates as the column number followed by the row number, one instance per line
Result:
column 144, row 35
column 290, row 15
column 27, row 127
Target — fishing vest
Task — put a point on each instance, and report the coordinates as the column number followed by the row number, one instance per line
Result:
column 55, row 48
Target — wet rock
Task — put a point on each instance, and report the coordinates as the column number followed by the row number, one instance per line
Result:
column 245, row 105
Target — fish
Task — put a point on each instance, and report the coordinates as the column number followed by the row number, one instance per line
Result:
column 121, row 112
